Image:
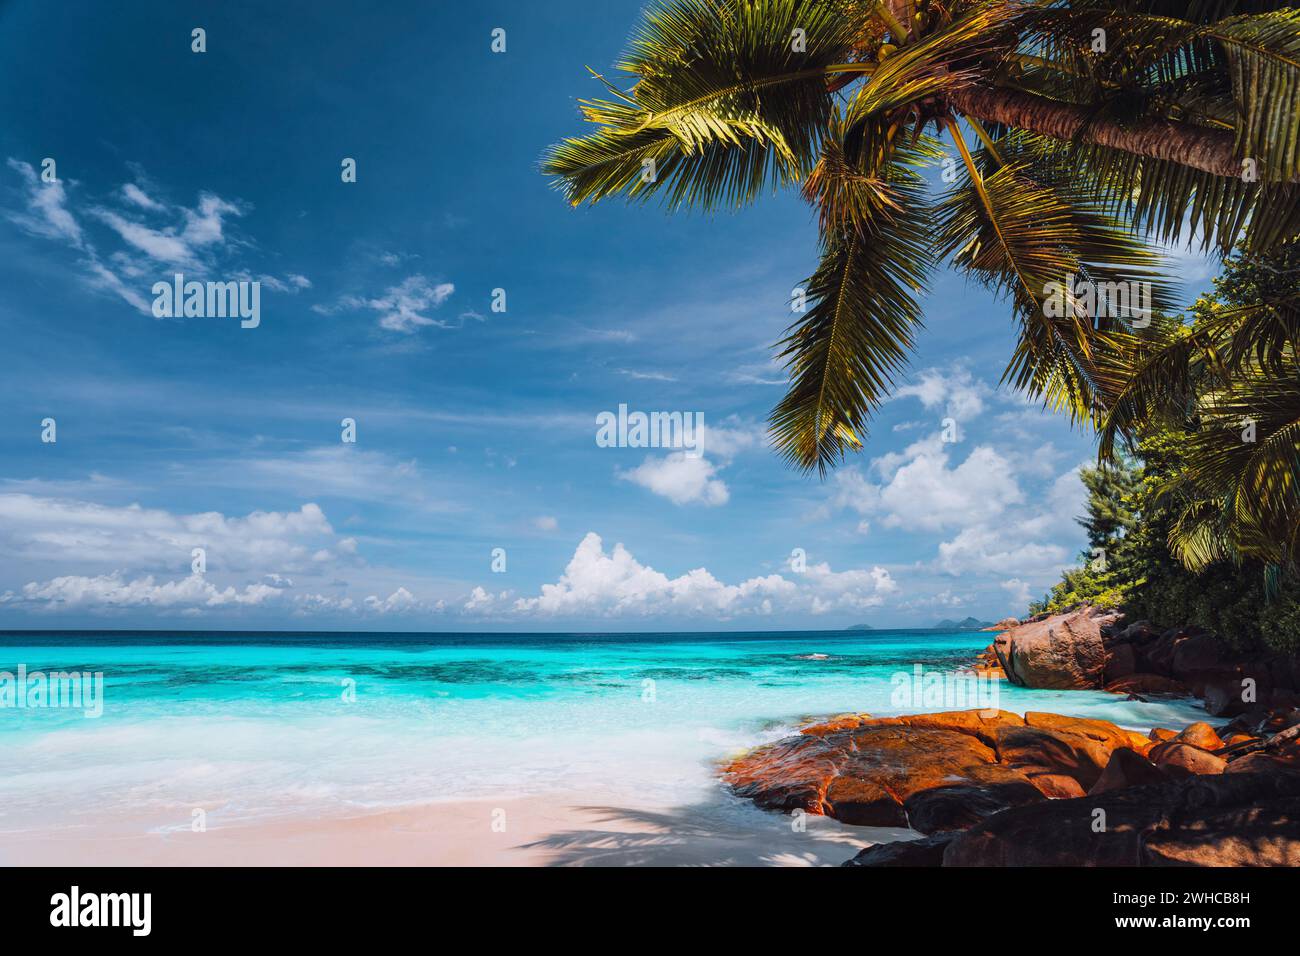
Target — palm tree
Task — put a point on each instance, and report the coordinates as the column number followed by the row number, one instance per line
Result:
column 1085, row 135
column 1228, row 387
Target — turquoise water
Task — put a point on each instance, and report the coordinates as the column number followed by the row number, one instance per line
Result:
column 253, row 726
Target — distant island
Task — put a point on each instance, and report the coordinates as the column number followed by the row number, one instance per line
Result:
column 965, row 624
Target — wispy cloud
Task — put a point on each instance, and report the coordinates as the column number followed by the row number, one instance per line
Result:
column 404, row 307
column 153, row 235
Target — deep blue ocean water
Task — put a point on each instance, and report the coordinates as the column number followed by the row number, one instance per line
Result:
column 254, row 725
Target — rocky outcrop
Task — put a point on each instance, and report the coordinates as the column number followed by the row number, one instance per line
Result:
column 1230, row 682
column 883, row 771
column 1246, row 819
column 927, row 851
column 1180, row 760
column 1088, row 648
column 933, row 772
column 1128, row 768
column 1062, row 652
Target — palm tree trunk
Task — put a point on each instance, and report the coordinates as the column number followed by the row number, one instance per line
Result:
column 1209, row 150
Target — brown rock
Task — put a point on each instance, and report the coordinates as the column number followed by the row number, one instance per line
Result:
column 927, row 851
column 1041, row 750
column 1063, row 651
column 1225, row 695
column 942, row 809
column 1099, row 730
column 1128, row 768
column 1139, row 632
column 1285, row 762
column 864, row 774
column 1121, row 662
column 1144, row 826
column 1267, row 834
column 1200, row 734
column 1148, row 685
column 1057, row 786
column 1180, row 759
column 791, row 774
column 1196, row 655
column 1005, row 624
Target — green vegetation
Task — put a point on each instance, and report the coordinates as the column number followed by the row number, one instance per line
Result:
column 1198, row 524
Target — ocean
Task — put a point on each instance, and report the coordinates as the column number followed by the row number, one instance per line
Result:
column 258, row 726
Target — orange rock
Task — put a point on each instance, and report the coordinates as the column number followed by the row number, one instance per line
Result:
column 1056, row 786
column 843, row 722
column 1128, row 768
column 1181, row 760
column 1140, row 743
column 1200, row 734
column 1102, row 730
column 1042, row 750
column 982, row 724
column 864, row 774
column 1162, row 734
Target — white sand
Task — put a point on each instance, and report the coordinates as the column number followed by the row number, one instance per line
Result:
column 551, row 830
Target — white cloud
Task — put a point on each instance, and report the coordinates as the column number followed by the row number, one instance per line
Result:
column 398, row 602
column 920, row 489
column 47, row 207
column 1019, row 591
column 45, row 529
column 136, row 196
column 545, row 523
column 193, row 239
column 680, row 478
column 404, row 307
column 955, row 392
column 114, row 591
column 693, row 478
column 614, row 584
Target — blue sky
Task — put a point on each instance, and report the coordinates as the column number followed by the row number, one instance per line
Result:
column 475, row 429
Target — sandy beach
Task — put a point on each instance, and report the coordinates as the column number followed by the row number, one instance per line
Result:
column 552, row 830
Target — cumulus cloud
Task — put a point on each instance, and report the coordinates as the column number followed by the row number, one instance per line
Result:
column 920, row 488
column 990, row 524
column 692, row 477
column 680, row 478
column 72, row 592
column 58, row 530
column 597, row 583
column 955, row 392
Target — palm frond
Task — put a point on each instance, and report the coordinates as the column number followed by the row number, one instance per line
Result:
column 728, row 101
column 845, row 351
